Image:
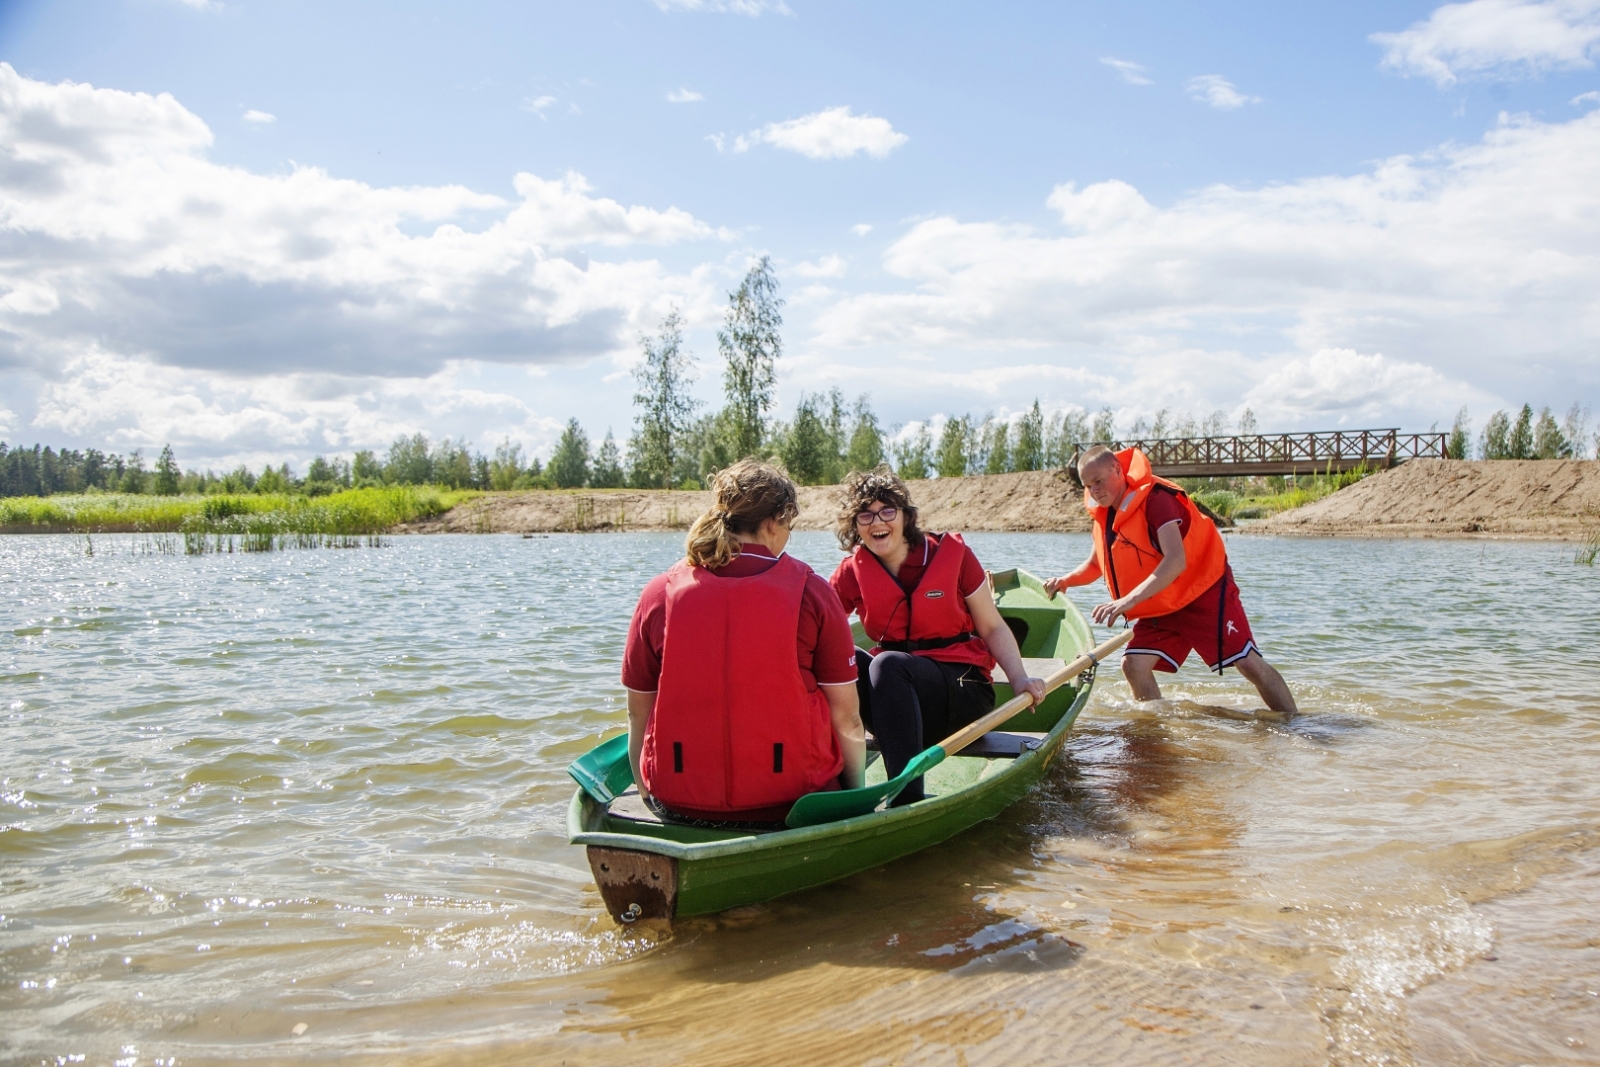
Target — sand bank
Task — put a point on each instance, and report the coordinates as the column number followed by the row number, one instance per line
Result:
column 1030, row 501
column 1525, row 499
column 1530, row 499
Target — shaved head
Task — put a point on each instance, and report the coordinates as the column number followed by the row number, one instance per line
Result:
column 1102, row 476
column 1094, row 456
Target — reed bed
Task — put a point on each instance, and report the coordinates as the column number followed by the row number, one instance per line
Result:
column 1243, row 503
column 1589, row 551
column 242, row 523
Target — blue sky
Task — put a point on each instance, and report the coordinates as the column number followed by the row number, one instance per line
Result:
column 1197, row 207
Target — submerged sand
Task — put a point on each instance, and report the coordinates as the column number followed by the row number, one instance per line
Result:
column 1527, row 499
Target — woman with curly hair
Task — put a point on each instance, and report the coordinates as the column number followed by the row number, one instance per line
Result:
column 925, row 601
column 740, row 667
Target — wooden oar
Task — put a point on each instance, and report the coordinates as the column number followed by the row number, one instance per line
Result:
column 814, row 808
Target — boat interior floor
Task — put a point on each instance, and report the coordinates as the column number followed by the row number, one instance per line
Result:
column 996, row 744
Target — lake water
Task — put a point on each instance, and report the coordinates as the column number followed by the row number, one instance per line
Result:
column 311, row 806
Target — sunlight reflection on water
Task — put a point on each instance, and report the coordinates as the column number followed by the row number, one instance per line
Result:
column 244, row 792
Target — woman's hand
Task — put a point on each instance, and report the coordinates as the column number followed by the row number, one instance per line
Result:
column 1034, row 687
column 1055, row 585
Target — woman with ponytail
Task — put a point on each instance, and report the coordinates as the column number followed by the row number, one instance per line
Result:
column 740, row 667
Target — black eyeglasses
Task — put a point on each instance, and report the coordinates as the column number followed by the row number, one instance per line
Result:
column 867, row 518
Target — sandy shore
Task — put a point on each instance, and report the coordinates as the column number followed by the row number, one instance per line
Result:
column 1532, row 499
column 1031, row 501
column 1549, row 500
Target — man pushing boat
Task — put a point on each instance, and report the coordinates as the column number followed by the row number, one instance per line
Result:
column 1166, row 567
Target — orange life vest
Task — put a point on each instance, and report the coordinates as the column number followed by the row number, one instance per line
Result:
column 1134, row 558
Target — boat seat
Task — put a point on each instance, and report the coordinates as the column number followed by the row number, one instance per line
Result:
column 996, row 744
column 630, row 806
column 1000, row 744
column 1042, row 668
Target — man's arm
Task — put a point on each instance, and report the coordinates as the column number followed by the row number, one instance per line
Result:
column 1173, row 561
column 1087, row 572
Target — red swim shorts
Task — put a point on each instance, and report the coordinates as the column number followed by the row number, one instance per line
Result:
column 1219, row 632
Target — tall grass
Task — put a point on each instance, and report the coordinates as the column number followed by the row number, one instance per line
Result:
column 1253, row 499
column 1589, row 551
column 247, row 522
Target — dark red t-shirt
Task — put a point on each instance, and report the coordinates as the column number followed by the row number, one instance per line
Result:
column 824, row 645
column 911, row 571
column 1161, row 507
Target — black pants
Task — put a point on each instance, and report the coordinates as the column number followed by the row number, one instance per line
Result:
column 910, row 702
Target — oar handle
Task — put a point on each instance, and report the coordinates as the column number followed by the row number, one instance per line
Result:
column 970, row 733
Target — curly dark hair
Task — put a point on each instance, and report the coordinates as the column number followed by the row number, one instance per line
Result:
column 861, row 488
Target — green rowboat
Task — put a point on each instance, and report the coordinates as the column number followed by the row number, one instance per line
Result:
column 648, row 869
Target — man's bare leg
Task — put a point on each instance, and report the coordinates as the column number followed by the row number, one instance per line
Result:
column 1139, row 669
column 1268, row 682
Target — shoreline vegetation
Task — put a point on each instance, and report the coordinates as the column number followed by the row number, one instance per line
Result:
column 227, row 523
column 1528, row 499
column 968, row 473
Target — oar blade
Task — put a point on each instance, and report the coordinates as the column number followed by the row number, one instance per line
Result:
column 603, row 772
column 816, row 808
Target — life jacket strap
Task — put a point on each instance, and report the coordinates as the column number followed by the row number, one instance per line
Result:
column 926, row 644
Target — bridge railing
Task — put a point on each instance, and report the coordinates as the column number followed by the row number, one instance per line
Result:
column 1284, row 453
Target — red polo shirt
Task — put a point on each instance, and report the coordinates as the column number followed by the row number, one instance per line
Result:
column 824, row 646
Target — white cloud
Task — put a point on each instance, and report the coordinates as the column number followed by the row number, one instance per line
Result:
column 1479, row 260
column 826, row 267
column 1585, row 98
column 1100, row 206
column 684, row 96
column 1218, row 92
column 1339, row 387
column 1495, row 38
column 861, row 229
column 834, row 133
column 259, row 116
column 752, row 8
column 538, row 105
column 116, row 232
column 1132, row 73
column 125, row 403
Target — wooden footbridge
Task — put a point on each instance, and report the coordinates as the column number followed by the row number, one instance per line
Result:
column 1285, row 453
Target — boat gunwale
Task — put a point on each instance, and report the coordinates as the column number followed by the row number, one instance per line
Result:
column 869, row 825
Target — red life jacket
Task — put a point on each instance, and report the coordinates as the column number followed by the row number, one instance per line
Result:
column 932, row 620
column 1134, row 557
column 735, row 733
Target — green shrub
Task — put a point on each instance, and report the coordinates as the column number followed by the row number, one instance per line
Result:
column 352, row 513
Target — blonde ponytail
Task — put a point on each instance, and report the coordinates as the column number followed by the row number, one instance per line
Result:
column 747, row 493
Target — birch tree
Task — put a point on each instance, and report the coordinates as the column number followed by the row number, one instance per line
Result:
column 750, row 347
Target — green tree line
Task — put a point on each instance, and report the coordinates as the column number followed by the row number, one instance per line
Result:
column 1524, row 435
column 674, row 444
